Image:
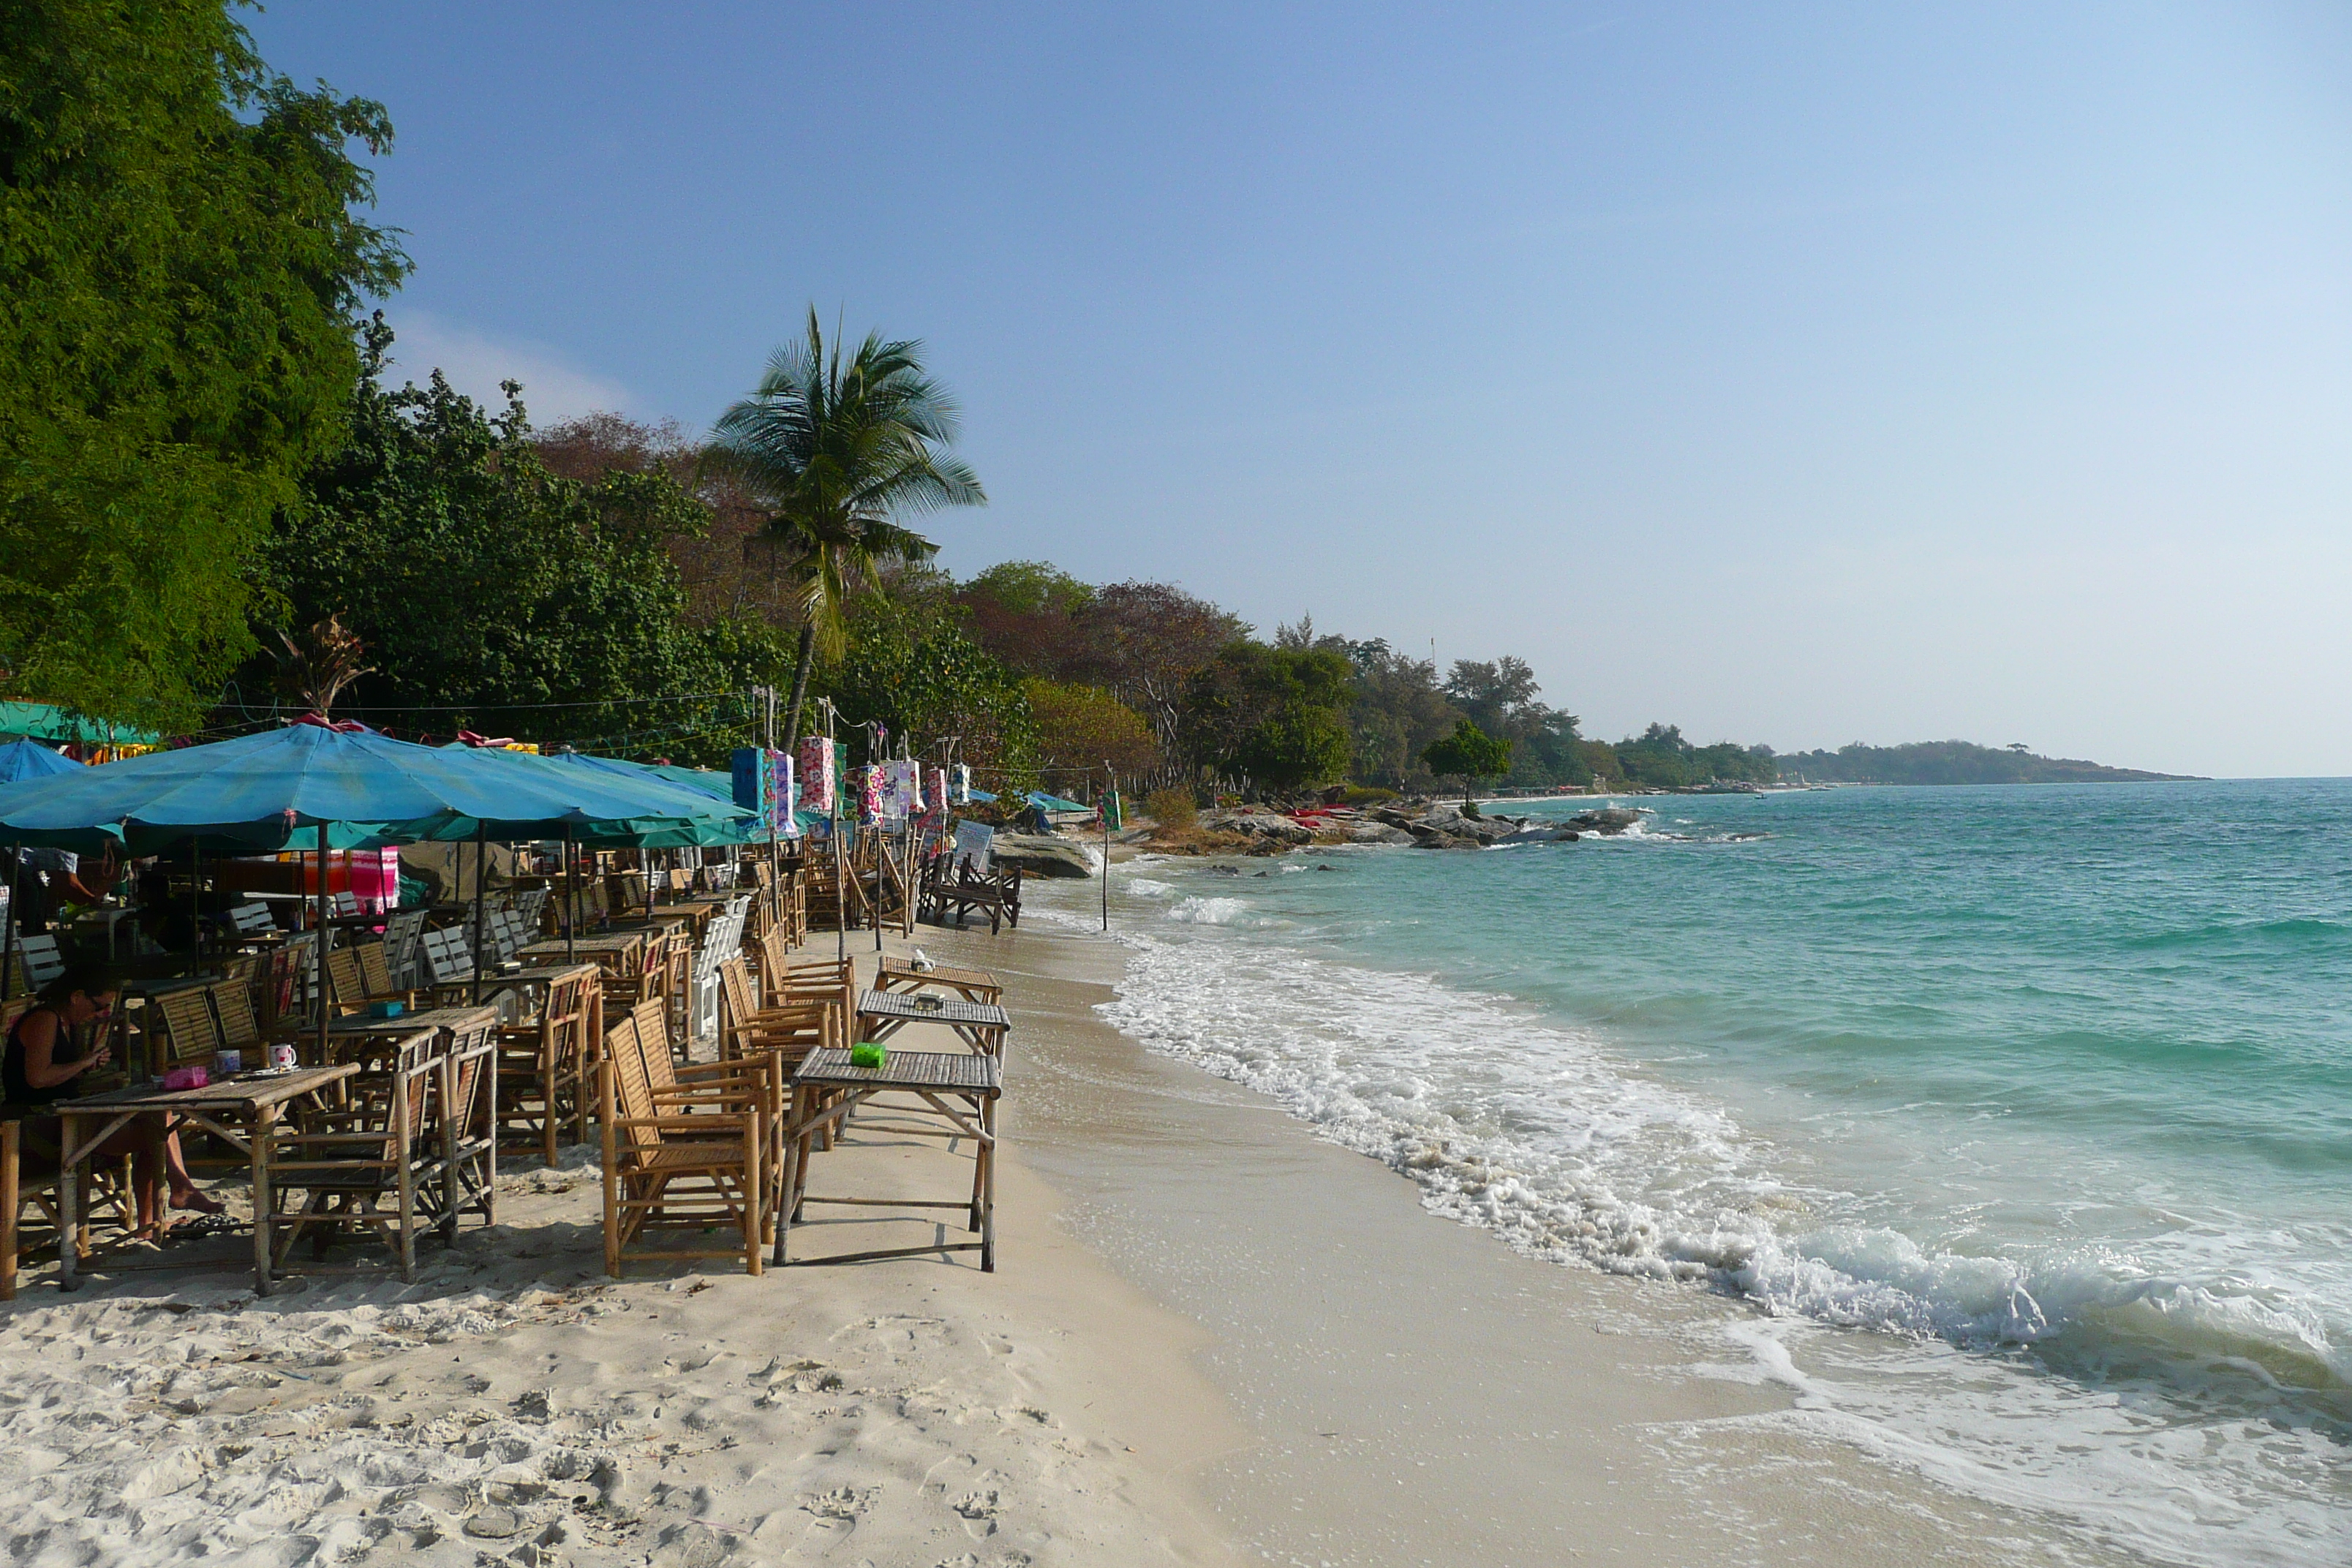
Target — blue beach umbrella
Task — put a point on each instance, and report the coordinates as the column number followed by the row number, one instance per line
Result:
column 307, row 786
column 32, row 760
column 311, row 786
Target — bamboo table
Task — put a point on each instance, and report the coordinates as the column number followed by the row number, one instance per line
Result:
column 971, row 984
column 253, row 1101
column 983, row 1026
column 958, row 1087
column 442, row 1021
column 621, row 953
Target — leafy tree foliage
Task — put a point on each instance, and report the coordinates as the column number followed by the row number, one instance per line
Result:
column 482, row 584
column 1469, row 754
column 1084, row 727
column 1274, row 717
column 910, row 667
column 1395, row 710
column 180, row 264
column 1501, row 697
column 838, row 451
column 1948, row 763
column 1659, row 755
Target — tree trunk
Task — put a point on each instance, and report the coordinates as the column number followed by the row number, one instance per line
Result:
column 806, row 657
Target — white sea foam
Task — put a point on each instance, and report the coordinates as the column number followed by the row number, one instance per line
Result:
column 1567, row 1151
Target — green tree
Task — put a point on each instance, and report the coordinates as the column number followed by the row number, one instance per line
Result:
column 1084, row 727
column 909, row 667
column 180, row 264
column 483, row 586
column 1469, row 754
column 1274, row 716
column 837, row 452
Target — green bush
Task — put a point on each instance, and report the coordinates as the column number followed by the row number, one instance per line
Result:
column 1172, row 808
column 1363, row 794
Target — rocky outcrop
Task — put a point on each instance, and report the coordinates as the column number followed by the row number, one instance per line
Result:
column 1261, row 825
column 1037, row 854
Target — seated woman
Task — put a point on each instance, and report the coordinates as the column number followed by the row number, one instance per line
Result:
column 38, row 1067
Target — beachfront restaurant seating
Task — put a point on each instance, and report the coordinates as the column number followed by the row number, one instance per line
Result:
column 683, row 1148
column 542, row 1062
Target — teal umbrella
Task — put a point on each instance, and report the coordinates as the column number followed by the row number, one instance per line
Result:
column 32, row 760
column 312, row 785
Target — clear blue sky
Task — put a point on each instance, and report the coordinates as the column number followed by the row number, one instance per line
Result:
column 1798, row 374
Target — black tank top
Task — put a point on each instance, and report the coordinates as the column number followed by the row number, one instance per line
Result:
column 13, row 1087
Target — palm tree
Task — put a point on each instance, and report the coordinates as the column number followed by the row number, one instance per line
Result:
column 837, row 452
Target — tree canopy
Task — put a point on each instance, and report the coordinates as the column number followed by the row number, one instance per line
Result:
column 181, row 263
column 490, row 594
column 1469, row 753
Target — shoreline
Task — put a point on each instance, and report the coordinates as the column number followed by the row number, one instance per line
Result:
column 1213, row 1338
column 1417, row 1390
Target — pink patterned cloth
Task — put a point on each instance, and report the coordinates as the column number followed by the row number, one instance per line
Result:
column 815, row 773
column 869, row 795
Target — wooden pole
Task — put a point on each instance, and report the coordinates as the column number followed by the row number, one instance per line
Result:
column 319, row 982
column 571, row 903
column 481, row 880
column 9, row 929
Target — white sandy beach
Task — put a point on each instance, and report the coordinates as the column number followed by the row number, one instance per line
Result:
column 1211, row 1339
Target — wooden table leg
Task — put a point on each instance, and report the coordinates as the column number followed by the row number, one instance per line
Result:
column 795, row 1150
column 69, row 1206
column 988, row 1192
column 12, row 1150
column 265, row 1129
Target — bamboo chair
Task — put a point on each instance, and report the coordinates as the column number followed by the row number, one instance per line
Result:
column 232, row 1015
column 790, row 1029
column 363, row 1152
column 540, row 1067
column 467, row 1163
column 376, row 970
column 346, row 985
column 680, row 1156
column 109, row 1184
column 182, row 1021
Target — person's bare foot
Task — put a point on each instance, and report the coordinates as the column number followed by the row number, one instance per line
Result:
column 197, row 1202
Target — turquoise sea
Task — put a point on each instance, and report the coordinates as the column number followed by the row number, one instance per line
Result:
column 2019, row 1119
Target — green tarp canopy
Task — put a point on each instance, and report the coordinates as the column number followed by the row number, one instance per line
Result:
column 47, row 722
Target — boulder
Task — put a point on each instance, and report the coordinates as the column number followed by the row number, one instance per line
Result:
column 1042, row 856
column 1377, row 832
column 1609, row 821
column 1266, row 825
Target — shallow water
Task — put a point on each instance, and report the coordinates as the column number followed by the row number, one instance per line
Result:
column 2048, row 1086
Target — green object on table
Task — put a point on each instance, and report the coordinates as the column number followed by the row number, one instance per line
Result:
column 867, row 1054
column 386, row 1009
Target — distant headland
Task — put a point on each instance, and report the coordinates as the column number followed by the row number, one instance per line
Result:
column 1950, row 762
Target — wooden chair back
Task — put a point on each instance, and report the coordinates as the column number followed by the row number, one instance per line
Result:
column 375, row 969
column 632, row 1092
column 232, row 1001
column 185, row 1020
column 346, row 991
column 37, row 952
column 249, row 921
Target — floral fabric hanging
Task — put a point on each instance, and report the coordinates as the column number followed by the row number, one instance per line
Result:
column 815, row 773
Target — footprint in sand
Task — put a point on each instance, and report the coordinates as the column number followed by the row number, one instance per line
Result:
column 979, row 1511
column 901, row 1333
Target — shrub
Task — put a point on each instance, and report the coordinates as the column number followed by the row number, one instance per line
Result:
column 1363, row 794
column 1172, row 808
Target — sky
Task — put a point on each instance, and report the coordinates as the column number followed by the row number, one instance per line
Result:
column 1798, row 375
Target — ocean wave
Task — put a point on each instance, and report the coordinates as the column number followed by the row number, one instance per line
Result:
column 1568, row 1153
